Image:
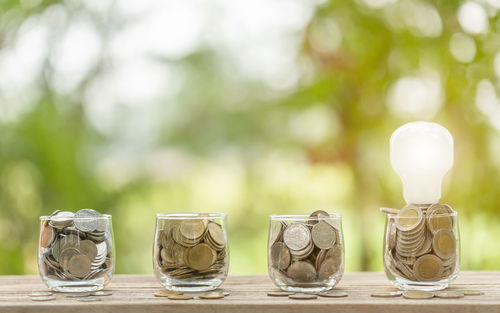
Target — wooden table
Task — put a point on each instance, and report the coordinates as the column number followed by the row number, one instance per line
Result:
column 134, row 293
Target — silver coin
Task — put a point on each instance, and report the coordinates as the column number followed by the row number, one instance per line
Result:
column 86, row 220
column 89, row 299
column 387, row 294
column 279, row 293
column 102, row 293
column 45, row 298
column 302, row 296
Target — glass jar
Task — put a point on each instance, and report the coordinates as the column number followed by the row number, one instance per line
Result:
column 190, row 251
column 306, row 252
column 76, row 251
column 422, row 247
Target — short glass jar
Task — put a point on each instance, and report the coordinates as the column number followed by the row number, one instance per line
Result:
column 76, row 251
column 306, row 252
column 422, row 247
column 191, row 252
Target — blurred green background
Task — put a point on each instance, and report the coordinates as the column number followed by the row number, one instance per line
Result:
column 244, row 107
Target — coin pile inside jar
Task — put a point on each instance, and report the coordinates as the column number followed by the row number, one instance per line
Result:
column 420, row 243
column 75, row 246
column 306, row 252
column 191, row 249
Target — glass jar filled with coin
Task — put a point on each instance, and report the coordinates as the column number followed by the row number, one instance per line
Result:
column 421, row 247
column 76, row 250
column 190, row 251
column 306, row 252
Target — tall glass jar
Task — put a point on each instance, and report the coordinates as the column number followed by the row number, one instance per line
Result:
column 306, row 252
column 190, row 251
column 76, row 251
column 422, row 247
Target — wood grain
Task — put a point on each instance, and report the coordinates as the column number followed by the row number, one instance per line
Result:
column 134, row 293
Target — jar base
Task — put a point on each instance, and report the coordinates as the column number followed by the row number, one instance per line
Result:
column 192, row 286
column 403, row 284
column 75, row 286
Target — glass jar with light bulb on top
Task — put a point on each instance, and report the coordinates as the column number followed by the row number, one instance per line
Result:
column 421, row 242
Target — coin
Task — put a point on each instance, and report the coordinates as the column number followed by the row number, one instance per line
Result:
column 297, row 236
column 201, row 257
column 470, row 292
column 89, row 299
column 40, row 294
column 389, row 210
column 192, row 229
column 43, row 298
column 280, row 255
column 428, row 267
column 314, row 215
column 449, row 295
column 102, row 293
column 79, row 265
column 444, row 243
column 279, row 293
column 302, row 296
column 166, row 293
column 47, row 236
column 416, row 294
column 301, row 271
column 332, row 294
column 226, row 294
column 409, row 218
column 323, row 235
column 386, row 294
column 180, row 297
column 212, row 295
column 86, row 220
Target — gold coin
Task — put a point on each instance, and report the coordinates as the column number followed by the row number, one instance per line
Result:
column 428, row 268
column 323, row 235
column 470, row 292
column 444, row 243
column 280, row 256
column 192, row 229
column 449, row 295
column 47, row 236
column 389, row 210
column 302, row 296
column 386, row 294
column 216, row 233
column 212, row 295
column 180, row 297
column 166, row 293
column 416, row 294
column 201, row 257
column 409, row 218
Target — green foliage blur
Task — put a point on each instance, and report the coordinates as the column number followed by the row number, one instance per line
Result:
column 215, row 140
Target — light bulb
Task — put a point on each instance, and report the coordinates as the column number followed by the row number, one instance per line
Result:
column 421, row 154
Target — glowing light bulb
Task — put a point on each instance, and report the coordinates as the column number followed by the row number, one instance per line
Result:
column 421, row 154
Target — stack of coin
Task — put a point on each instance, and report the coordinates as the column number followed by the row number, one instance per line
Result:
column 305, row 252
column 75, row 246
column 191, row 249
column 420, row 243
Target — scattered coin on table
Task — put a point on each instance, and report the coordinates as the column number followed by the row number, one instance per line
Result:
column 416, row 294
column 279, row 293
column 44, row 298
column 332, row 294
column 180, row 297
column 78, row 295
column 226, row 293
column 40, row 294
column 470, row 292
column 212, row 295
column 101, row 293
column 165, row 293
column 449, row 295
column 387, row 294
column 89, row 299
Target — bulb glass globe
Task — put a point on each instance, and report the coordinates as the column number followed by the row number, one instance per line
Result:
column 421, row 154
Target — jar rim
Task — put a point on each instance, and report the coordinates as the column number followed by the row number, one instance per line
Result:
column 189, row 215
column 282, row 217
column 100, row 217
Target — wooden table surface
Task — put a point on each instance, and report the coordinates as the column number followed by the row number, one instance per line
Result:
column 134, row 293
